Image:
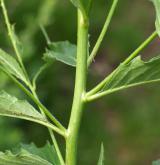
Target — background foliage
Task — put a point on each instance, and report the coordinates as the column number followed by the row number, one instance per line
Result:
column 127, row 122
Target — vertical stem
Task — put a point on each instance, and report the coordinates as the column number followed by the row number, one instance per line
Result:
column 80, row 88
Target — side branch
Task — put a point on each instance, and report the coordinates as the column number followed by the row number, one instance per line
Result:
column 98, row 88
column 103, row 32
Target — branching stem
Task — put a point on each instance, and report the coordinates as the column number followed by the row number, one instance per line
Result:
column 130, row 58
column 36, row 100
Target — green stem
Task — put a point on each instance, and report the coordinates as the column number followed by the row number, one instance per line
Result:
column 103, row 32
column 131, row 57
column 44, row 67
column 141, row 47
column 34, row 97
column 110, row 91
column 45, row 34
column 50, row 127
column 80, row 88
column 56, row 129
column 50, row 131
column 36, row 100
column 45, row 110
column 56, row 147
column 13, row 37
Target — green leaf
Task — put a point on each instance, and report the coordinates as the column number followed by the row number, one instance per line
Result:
column 157, row 7
column 157, row 162
column 11, row 66
column 47, row 152
column 101, row 156
column 12, row 107
column 135, row 73
column 21, row 158
column 62, row 51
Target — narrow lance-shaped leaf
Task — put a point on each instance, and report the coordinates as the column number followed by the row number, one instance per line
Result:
column 135, row 73
column 21, row 158
column 62, row 51
column 12, row 107
column 157, row 7
column 47, row 152
column 101, row 156
column 10, row 65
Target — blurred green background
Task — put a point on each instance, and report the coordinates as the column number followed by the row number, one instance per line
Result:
column 128, row 121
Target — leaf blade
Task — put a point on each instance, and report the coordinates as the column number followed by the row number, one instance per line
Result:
column 156, row 4
column 47, row 152
column 21, row 158
column 62, row 51
column 10, row 106
column 135, row 73
column 11, row 66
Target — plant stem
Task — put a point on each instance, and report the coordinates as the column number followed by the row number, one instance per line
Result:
column 36, row 100
column 131, row 57
column 80, row 88
column 50, row 131
column 13, row 38
column 110, row 91
column 44, row 67
column 49, row 125
column 141, row 47
column 103, row 32
column 56, row 147
column 61, row 130
column 45, row 34
column 45, row 110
